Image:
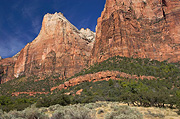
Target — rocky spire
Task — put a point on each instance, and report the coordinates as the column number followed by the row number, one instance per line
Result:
column 60, row 48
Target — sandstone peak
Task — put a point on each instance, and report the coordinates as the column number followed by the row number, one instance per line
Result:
column 54, row 16
column 52, row 22
column 88, row 34
column 60, row 48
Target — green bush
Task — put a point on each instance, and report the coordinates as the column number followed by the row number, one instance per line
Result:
column 53, row 100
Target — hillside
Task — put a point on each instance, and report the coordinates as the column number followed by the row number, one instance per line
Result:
column 159, row 91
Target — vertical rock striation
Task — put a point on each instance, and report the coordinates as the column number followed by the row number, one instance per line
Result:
column 130, row 28
column 60, row 48
column 138, row 28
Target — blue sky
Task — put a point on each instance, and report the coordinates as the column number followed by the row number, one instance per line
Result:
column 20, row 20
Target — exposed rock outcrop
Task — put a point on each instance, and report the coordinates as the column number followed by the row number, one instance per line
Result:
column 88, row 34
column 138, row 28
column 60, row 48
column 7, row 69
column 100, row 76
column 131, row 28
column 28, row 93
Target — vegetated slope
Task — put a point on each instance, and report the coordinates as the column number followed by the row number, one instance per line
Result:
column 135, row 66
column 31, row 84
column 161, row 92
column 158, row 92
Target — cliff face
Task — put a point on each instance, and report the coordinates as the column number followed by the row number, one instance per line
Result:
column 138, row 28
column 131, row 28
column 60, row 48
column 7, row 69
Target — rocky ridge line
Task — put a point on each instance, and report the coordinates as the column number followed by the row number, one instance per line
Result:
column 59, row 49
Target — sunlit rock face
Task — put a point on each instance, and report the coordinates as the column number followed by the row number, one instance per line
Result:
column 138, row 28
column 60, row 48
column 131, row 28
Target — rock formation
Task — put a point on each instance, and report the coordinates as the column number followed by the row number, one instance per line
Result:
column 60, row 48
column 88, row 34
column 0, row 58
column 100, row 76
column 138, row 28
column 131, row 28
column 7, row 69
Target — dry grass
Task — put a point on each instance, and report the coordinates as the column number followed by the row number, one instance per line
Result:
column 98, row 110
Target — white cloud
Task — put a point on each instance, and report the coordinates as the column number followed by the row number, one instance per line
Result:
column 12, row 43
column 29, row 12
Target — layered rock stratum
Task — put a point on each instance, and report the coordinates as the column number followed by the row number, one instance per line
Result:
column 130, row 28
column 138, row 28
column 60, row 48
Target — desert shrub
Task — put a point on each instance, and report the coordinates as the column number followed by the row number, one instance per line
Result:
column 33, row 113
column 28, row 113
column 58, row 114
column 155, row 115
column 79, row 112
column 55, row 107
column 123, row 112
column 73, row 112
column 100, row 111
column 94, row 105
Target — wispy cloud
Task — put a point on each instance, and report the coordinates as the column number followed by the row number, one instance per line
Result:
column 10, row 45
column 29, row 12
column 84, row 22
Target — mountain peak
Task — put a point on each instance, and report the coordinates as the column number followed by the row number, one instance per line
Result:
column 58, row 49
column 88, row 34
column 54, row 16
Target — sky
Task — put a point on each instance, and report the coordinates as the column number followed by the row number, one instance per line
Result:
column 21, row 20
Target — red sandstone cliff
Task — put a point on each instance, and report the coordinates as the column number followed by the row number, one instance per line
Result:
column 138, row 28
column 7, row 69
column 131, row 28
column 60, row 48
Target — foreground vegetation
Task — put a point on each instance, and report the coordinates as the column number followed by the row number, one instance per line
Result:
column 161, row 92
column 98, row 110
